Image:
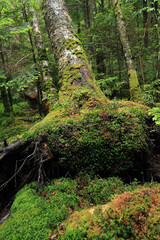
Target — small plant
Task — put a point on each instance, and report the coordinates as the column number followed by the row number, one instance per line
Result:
column 155, row 112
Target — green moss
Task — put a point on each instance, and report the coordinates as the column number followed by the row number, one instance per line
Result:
column 89, row 139
column 38, row 215
column 69, row 74
column 80, row 54
column 129, row 216
column 116, row 9
column 35, row 215
column 135, row 91
column 72, row 75
column 72, row 43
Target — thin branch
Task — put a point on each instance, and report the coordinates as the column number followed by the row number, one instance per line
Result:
column 28, row 158
column 21, row 60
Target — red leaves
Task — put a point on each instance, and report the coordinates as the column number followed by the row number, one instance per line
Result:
column 57, row 182
column 73, row 191
column 62, row 230
column 70, row 210
column 62, row 227
column 107, row 135
column 54, row 236
column 104, row 114
column 45, row 193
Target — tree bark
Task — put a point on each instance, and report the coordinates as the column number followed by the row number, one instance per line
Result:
column 37, row 89
column 133, row 79
column 100, row 57
column 86, row 13
column 145, row 18
column 76, row 76
column 48, row 89
column 5, row 101
column 4, row 94
column 92, row 10
column 158, row 35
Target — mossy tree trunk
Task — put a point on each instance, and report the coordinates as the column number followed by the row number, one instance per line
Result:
column 6, row 105
column 135, row 90
column 49, row 92
column 156, row 16
column 76, row 77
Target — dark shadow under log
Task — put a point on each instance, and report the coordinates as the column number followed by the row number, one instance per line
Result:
column 13, row 161
column 22, row 163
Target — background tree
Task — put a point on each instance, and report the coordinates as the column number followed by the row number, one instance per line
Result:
column 133, row 79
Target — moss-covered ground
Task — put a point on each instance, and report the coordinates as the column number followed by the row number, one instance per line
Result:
column 99, row 137
column 84, row 208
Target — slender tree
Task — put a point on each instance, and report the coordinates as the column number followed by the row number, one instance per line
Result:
column 92, row 10
column 145, row 19
column 38, row 88
column 48, row 89
column 86, row 13
column 77, row 80
column 4, row 93
column 5, row 100
column 133, row 79
column 155, row 5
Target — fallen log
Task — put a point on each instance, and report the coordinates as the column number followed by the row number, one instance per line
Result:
column 9, row 149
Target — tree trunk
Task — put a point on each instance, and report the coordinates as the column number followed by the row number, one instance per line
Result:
column 133, row 79
column 5, row 101
column 37, row 89
column 92, row 10
column 86, row 13
column 77, row 80
column 47, row 82
column 145, row 18
column 119, row 62
column 100, row 57
column 158, row 35
column 6, row 104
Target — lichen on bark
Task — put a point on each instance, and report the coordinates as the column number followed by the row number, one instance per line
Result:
column 135, row 90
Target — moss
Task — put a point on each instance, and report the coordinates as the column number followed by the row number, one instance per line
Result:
column 72, row 43
column 69, row 74
column 131, row 215
column 135, row 91
column 116, row 9
column 58, row 210
column 88, row 134
column 76, row 76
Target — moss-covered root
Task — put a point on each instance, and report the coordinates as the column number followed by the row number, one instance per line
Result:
column 135, row 90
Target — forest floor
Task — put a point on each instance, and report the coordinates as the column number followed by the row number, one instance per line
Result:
column 85, row 207
column 19, row 121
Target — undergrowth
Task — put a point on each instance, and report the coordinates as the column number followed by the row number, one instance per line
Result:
column 40, row 215
column 14, row 125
